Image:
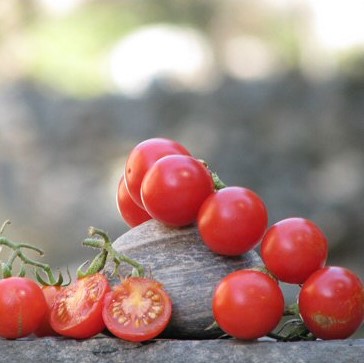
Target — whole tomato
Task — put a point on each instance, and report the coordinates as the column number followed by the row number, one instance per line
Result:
column 132, row 214
column 45, row 329
column 142, row 157
column 232, row 220
column 22, row 307
column 331, row 303
column 247, row 304
column 174, row 188
column 293, row 249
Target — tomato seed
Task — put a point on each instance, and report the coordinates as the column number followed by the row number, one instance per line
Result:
column 152, row 315
column 149, row 294
column 156, row 297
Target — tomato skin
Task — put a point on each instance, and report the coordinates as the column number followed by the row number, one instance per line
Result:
column 232, row 220
column 142, row 157
column 331, row 303
column 45, row 329
column 77, row 309
column 137, row 310
column 174, row 188
column 22, row 307
column 293, row 249
column 132, row 214
column 247, row 304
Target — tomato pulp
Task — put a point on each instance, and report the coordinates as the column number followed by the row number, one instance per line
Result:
column 77, row 309
column 137, row 310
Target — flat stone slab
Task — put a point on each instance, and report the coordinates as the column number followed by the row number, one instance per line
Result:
column 107, row 349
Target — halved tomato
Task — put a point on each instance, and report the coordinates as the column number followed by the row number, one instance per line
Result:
column 77, row 309
column 137, row 310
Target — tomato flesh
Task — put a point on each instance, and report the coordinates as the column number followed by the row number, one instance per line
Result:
column 137, row 310
column 22, row 307
column 77, row 309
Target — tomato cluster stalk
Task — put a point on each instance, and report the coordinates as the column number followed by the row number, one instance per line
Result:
column 18, row 253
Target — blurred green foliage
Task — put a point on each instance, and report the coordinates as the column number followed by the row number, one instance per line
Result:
column 69, row 52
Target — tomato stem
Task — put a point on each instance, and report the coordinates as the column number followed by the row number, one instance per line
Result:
column 17, row 248
column 292, row 309
column 107, row 251
column 219, row 184
column 4, row 225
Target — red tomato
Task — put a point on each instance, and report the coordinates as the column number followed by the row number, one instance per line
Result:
column 331, row 303
column 293, row 249
column 232, row 221
column 132, row 214
column 77, row 309
column 142, row 157
column 174, row 188
column 22, row 307
column 247, row 304
column 45, row 328
column 137, row 310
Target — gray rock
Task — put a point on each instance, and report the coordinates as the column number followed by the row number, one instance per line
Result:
column 103, row 349
column 189, row 271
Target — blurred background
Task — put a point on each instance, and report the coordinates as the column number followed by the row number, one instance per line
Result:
column 270, row 93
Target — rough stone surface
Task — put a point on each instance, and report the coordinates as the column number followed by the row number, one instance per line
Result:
column 188, row 270
column 105, row 349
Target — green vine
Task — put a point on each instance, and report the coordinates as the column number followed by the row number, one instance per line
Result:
column 100, row 240
column 6, row 268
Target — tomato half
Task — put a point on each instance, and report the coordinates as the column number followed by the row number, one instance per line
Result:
column 77, row 309
column 45, row 328
column 331, row 303
column 174, row 188
column 137, row 310
column 22, row 307
column 142, row 157
column 132, row 214
column 247, row 304
column 232, row 220
column 294, row 248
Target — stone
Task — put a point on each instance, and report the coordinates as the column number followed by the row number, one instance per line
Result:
column 103, row 349
column 189, row 271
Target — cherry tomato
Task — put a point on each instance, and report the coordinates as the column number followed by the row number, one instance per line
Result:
column 247, row 304
column 22, row 307
column 45, row 328
column 331, row 303
column 293, row 249
column 137, row 310
column 77, row 309
column 132, row 214
column 232, row 221
column 142, row 157
column 174, row 188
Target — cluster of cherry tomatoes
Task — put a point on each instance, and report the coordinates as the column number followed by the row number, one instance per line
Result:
column 163, row 181
column 136, row 309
